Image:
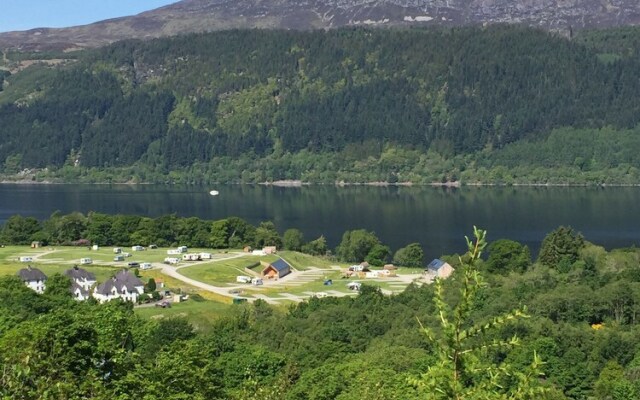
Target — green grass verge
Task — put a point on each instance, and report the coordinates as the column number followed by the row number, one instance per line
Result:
column 302, row 262
column 201, row 314
column 219, row 273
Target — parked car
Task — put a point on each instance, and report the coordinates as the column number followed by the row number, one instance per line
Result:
column 133, row 264
column 164, row 304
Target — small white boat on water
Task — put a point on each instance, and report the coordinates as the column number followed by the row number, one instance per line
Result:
column 214, row 193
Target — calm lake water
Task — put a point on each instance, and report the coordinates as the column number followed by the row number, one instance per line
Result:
column 437, row 218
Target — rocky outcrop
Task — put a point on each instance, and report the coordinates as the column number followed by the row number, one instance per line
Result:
column 209, row 15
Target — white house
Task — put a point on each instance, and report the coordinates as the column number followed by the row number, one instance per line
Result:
column 82, row 277
column 33, row 278
column 124, row 285
column 82, row 282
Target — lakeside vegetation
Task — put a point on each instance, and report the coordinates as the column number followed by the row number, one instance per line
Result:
column 77, row 229
column 562, row 327
column 353, row 105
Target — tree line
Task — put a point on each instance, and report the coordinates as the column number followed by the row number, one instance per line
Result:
column 170, row 230
column 291, row 105
column 503, row 326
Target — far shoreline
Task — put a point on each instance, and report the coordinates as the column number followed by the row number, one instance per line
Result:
column 299, row 184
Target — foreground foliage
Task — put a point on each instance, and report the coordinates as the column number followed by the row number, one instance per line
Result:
column 578, row 339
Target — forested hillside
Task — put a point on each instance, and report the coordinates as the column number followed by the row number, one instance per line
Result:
column 355, row 105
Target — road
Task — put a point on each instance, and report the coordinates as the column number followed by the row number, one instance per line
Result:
column 173, row 272
column 293, row 279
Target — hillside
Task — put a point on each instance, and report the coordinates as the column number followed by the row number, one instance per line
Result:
column 563, row 327
column 352, row 104
column 190, row 16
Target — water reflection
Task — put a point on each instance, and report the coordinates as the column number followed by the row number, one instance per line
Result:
column 437, row 218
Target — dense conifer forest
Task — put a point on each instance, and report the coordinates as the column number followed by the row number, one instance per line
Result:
column 502, row 104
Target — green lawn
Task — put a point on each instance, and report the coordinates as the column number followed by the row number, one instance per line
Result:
column 220, row 273
column 12, row 253
column 201, row 314
column 176, row 285
column 302, row 262
column 317, row 285
column 106, row 254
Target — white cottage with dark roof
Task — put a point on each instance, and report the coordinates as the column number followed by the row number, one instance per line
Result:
column 81, row 282
column 124, row 285
column 33, row 278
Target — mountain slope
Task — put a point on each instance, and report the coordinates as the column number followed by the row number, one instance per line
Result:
column 256, row 105
column 210, row 15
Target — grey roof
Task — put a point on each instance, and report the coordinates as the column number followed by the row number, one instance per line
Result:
column 436, row 264
column 31, row 274
column 280, row 265
column 76, row 273
column 122, row 279
column 75, row 286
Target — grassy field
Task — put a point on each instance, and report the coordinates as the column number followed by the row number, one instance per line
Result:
column 201, row 314
column 221, row 273
column 225, row 272
column 10, row 264
column 302, row 262
column 106, row 255
column 317, row 285
column 178, row 286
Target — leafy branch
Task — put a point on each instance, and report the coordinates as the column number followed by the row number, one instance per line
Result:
column 462, row 369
